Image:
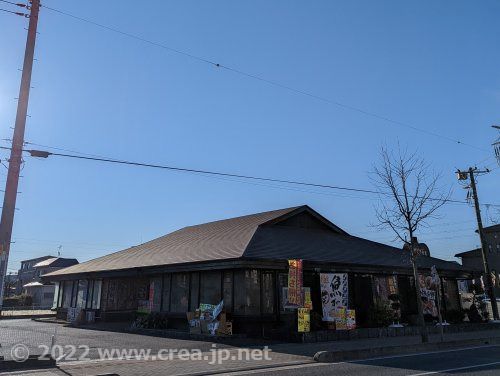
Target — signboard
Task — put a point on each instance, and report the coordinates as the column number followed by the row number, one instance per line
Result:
column 428, row 294
column 334, row 293
column 73, row 314
column 305, row 299
column 295, row 282
column 351, row 319
column 304, row 320
column 341, row 319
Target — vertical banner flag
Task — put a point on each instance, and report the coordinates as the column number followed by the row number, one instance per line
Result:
column 334, row 294
column 351, row 319
column 304, row 320
column 428, row 294
column 295, row 282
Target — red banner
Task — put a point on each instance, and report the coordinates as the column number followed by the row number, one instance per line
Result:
column 295, row 282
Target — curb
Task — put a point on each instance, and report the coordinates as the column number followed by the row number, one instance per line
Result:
column 33, row 362
column 27, row 317
column 374, row 352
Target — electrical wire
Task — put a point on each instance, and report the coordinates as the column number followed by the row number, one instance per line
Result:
column 265, row 80
column 16, row 13
column 12, row 3
column 45, row 154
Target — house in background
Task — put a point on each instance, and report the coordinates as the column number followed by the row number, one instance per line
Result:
column 26, row 273
column 473, row 259
column 244, row 262
column 42, row 292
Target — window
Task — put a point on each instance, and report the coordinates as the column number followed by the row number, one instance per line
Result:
column 74, row 291
column 180, row 292
column 282, row 283
column 195, row 291
column 67, row 290
column 81, row 300
column 247, row 295
column 155, row 290
column 56, row 296
column 227, row 291
column 210, row 288
column 267, row 293
column 166, row 293
column 95, row 298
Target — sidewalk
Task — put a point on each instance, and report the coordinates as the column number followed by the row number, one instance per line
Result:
column 281, row 355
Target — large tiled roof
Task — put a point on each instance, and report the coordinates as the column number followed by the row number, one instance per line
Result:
column 280, row 242
column 258, row 236
column 225, row 239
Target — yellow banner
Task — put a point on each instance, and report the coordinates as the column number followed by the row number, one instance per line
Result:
column 304, row 320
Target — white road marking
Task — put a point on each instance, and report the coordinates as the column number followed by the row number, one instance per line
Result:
column 418, row 354
column 455, row 369
column 307, row 365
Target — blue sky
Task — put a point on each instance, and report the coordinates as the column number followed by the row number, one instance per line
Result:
column 430, row 64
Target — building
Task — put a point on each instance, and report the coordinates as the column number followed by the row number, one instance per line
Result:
column 473, row 259
column 27, row 272
column 42, row 292
column 243, row 261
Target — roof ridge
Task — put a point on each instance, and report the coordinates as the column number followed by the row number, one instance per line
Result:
column 286, row 210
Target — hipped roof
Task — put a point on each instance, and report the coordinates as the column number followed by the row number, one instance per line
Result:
column 266, row 236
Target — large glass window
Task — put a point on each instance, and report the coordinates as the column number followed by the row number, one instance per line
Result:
column 247, row 293
column 74, row 291
column 67, row 290
column 56, row 296
column 180, row 292
column 195, row 291
column 166, row 293
column 267, row 293
column 282, row 283
column 95, row 301
column 227, row 290
column 155, row 290
column 82, row 293
column 210, row 288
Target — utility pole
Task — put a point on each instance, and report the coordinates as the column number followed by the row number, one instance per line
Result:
column 462, row 175
column 10, row 196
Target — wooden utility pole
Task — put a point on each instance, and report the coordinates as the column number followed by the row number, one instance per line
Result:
column 10, row 196
column 462, row 175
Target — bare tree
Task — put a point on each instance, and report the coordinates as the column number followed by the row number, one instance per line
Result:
column 410, row 196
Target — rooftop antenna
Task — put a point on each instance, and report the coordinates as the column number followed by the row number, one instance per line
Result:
column 59, row 251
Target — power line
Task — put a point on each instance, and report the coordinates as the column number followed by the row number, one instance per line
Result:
column 16, row 13
column 265, row 80
column 12, row 3
column 45, row 154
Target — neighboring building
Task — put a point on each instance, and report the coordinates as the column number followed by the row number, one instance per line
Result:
column 474, row 260
column 27, row 272
column 42, row 292
column 244, row 262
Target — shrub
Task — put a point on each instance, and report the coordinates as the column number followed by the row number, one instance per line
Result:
column 152, row 320
column 381, row 315
column 22, row 300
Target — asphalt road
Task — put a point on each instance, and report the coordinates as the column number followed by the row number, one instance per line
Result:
column 36, row 335
column 478, row 361
column 481, row 361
